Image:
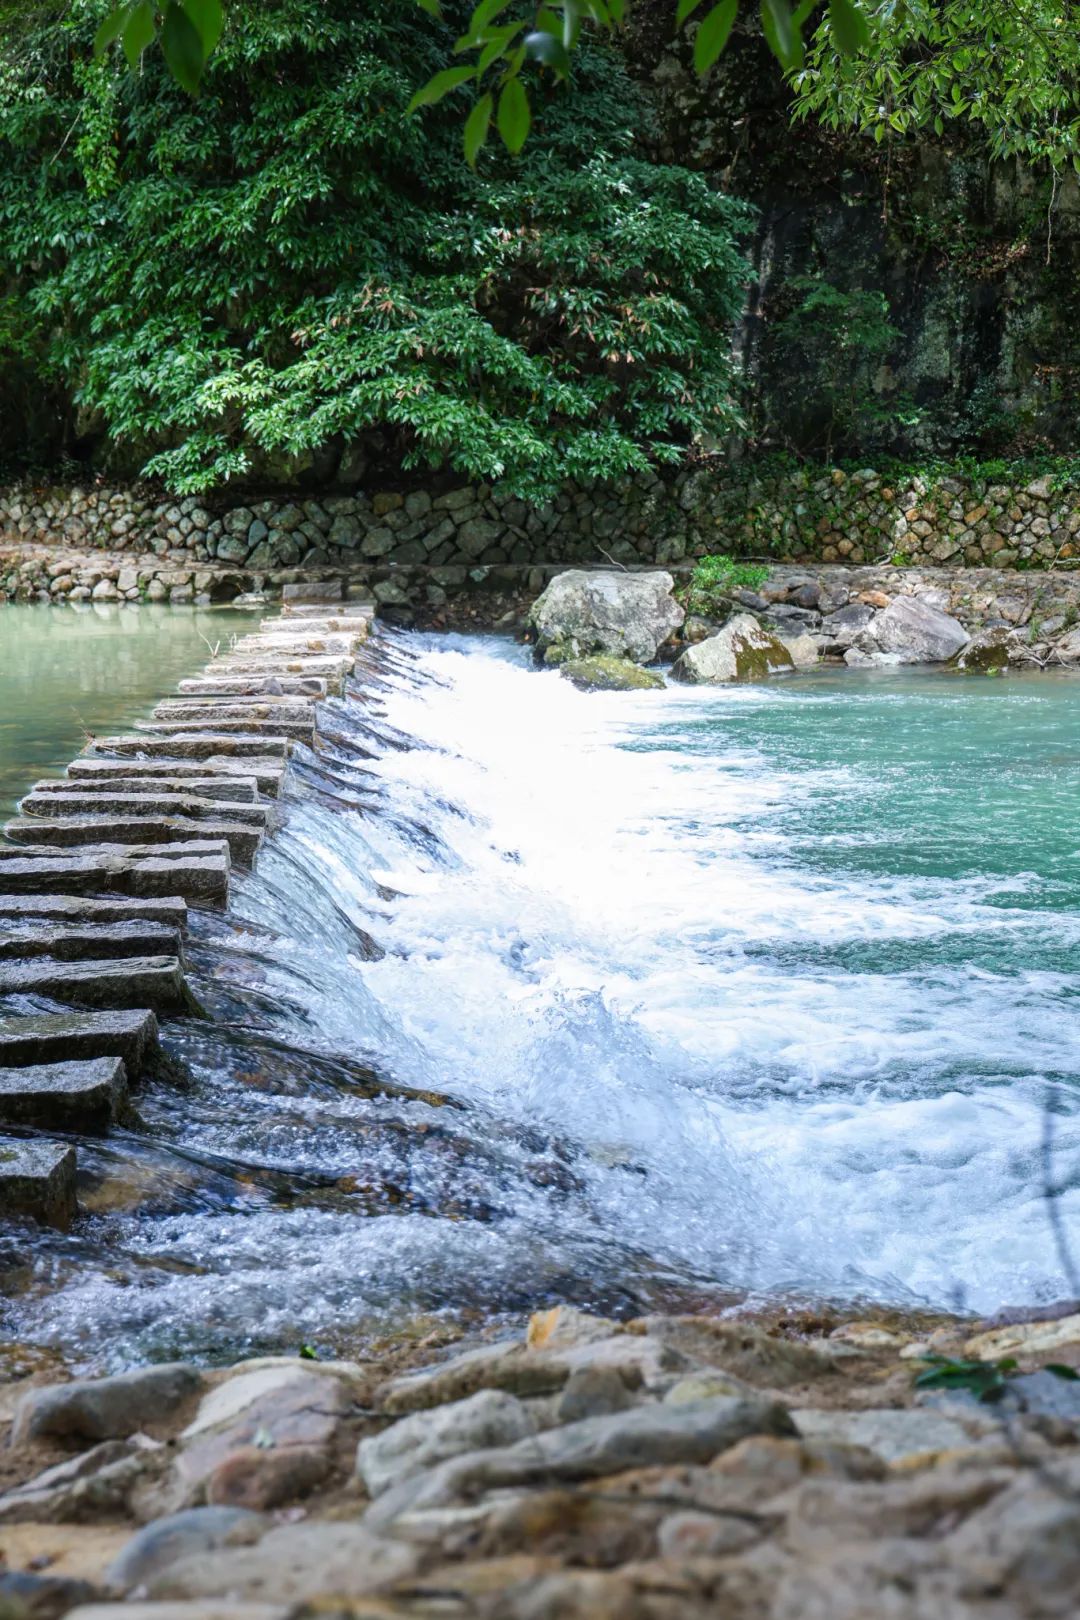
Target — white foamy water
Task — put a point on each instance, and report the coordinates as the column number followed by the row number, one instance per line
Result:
column 741, row 992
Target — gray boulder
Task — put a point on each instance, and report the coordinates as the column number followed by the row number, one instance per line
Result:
column 839, row 629
column 742, row 651
column 598, row 611
column 105, row 1408
column 915, row 631
column 992, row 650
column 488, row 1419
column 1067, row 650
column 803, row 649
column 602, row 673
column 181, row 1535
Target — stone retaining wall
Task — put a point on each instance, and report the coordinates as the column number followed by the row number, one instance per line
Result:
column 806, row 514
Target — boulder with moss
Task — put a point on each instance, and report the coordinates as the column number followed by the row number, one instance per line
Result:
column 606, row 674
column 597, row 610
column 742, row 651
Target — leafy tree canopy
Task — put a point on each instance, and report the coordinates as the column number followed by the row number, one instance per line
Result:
column 291, row 260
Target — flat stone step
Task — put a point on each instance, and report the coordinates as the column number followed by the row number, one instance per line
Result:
column 133, row 982
column 233, row 790
column 211, row 777
column 197, row 871
column 148, row 801
column 295, row 643
column 37, row 1179
column 185, row 743
column 77, row 909
column 273, row 731
column 279, row 712
column 70, row 1037
column 243, row 841
column 332, row 670
column 236, row 686
column 319, row 624
column 73, row 1096
column 87, row 941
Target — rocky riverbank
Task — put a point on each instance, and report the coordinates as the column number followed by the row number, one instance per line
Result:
column 783, row 1466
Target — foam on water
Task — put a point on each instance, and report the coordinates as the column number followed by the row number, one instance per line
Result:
column 742, row 992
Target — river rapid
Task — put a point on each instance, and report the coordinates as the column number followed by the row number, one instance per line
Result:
column 652, row 999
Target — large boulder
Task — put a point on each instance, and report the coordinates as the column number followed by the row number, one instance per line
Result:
column 916, row 632
column 602, row 673
column 599, row 611
column 991, row 651
column 742, row 651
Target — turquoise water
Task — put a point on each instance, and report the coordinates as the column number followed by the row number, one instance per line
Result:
column 66, row 673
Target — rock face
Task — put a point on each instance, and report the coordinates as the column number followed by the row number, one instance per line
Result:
column 991, row 651
column 915, row 632
column 596, row 611
column 604, row 674
column 742, row 651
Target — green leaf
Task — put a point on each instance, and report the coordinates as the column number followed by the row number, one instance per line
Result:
column 432, row 7
column 138, row 32
column 514, row 115
column 183, row 48
column 849, row 30
column 441, row 85
column 784, row 39
column 1061, row 1370
column 684, row 9
column 713, row 34
column 110, row 30
column 544, row 47
column 208, row 19
column 476, row 129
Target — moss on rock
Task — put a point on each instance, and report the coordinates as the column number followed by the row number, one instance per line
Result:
column 606, row 674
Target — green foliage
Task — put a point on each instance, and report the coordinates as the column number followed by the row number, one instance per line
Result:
column 832, row 343
column 1010, row 69
column 715, row 577
column 986, row 1380
column 293, row 262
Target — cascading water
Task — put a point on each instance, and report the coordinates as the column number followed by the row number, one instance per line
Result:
column 628, row 999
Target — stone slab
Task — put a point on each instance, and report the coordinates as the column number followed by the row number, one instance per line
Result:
column 349, row 624
column 295, row 643
column 263, row 773
column 237, row 686
column 87, row 941
column 88, row 1096
column 186, row 743
column 332, row 670
column 133, row 982
column 300, row 711
column 149, row 800
column 37, row 1179
column 200, row 1609
column 40, row 831
column 62, row 1037
column 78, row 909
column 198, row 872
column 273, row 730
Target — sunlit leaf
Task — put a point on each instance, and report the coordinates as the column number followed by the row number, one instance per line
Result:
column 514, row 115
column 183, row 48
column 441, row 85
column 476, row 129
column 849, row 28
column 208, row 20
column 138, row 32
column 713, row 34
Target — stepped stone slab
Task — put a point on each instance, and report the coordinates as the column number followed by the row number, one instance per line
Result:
column 72, row 1096
column 149, row 800
column 185, row 743
column 242, row 840
column 56, row 1037
column 319, row 624
column 210, row 777
column 332, row 670
column 273, row 730
column 87, row 942
column 134, row 982
column 199, row 872
column 293, row 643
column 252, row 708
column 37, row 1179
column 77, row 909
column 238, row 686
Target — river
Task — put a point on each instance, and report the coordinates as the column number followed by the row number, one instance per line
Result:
column 701, row 996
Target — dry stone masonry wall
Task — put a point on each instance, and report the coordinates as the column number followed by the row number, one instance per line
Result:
column 130, row 544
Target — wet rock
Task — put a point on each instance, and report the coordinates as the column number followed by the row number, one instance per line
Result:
column 260, row 1478
column 105, row 1408
column 605, row 674
column 87, row 1097
column 294, row 1564
column 599, row 611
column 742, row 651
column 565, row 1328
column 486, row 1420
column 97, row 1484
column 742, row 1348
column 645, row 1436
column 915, row 631
column 592, row 1392
column 704, row 1535
column 181, row 1535
column 1024, row 1339
column 37, row 1180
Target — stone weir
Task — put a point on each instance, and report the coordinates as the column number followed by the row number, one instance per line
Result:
column 98, row 871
